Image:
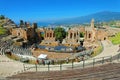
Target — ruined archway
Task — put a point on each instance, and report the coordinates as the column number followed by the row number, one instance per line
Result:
column 89, row 36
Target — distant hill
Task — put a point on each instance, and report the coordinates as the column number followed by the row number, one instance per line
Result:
column 99, row 17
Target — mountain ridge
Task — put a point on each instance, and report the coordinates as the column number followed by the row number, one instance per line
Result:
column 103, row 16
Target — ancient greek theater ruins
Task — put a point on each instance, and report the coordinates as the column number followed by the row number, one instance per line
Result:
column 81, row 53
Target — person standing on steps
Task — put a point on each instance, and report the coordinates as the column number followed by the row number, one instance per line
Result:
column 119, row 48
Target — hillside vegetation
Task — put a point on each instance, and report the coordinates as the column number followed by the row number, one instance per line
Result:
column 2, row 22
column 2, row 31
column 115, row 39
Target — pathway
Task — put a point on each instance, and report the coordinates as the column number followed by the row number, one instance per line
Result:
column 108, row 50
column 8, row 66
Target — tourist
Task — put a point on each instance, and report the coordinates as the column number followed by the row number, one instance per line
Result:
column 52, row 62
column 48, row 62
column 43, row 62
column 82, row 58
column 119, row 48
column 67, row 60
column 37, row 61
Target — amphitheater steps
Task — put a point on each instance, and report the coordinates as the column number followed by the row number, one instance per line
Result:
column 105, row 72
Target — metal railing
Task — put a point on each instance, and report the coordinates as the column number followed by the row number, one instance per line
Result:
column 72, row 65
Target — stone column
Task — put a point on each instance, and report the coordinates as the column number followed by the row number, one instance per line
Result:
column 68, row 35
column 49, row 34
column 45, row 35
column 78, row 35
column 52, row 34
column 86, row 34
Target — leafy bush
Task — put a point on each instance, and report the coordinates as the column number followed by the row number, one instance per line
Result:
column 60, row 33
column 82, row 34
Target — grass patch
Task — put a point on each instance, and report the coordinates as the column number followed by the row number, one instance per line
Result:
column 32, row 61
column 97, row 51
column 2, row 31
column 116, row 39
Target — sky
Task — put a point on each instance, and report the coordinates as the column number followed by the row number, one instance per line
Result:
column 43, row 10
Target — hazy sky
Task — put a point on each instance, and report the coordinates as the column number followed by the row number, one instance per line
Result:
column 35, row 10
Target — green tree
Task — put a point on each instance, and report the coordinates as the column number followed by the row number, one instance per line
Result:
column 60, row 33
column 22, row 23
column 2, row 17
column 81, row 34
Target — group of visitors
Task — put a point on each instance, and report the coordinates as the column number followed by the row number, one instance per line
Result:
column 45, row 62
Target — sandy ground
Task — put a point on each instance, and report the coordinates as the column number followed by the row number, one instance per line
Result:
column 9, row 67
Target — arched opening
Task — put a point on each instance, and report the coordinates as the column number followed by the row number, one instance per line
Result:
column 77, row 40
column 74, row 35
column 18, row 34
column 47, row 34
column 89, row 36
column 70, row 35
column 104, row 38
